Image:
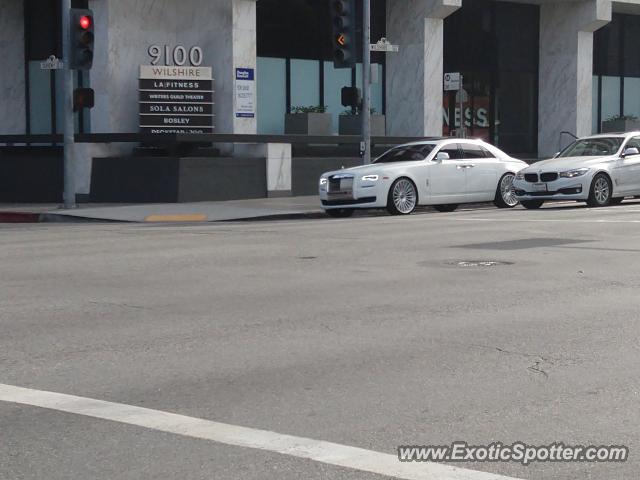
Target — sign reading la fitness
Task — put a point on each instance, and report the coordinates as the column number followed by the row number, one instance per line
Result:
column 175, row 99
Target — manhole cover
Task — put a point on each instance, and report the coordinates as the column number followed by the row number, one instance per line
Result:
column 478, row 263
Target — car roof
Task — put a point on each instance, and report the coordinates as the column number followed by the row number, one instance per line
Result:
column 438, row 140
column 612, row 134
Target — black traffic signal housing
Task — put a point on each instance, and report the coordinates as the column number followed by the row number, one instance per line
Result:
column 343, row 20
column 81, row 41
column 351, row 97
column 83, row 98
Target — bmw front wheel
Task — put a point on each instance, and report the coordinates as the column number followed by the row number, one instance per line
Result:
column 600, row 191
column 403, row 197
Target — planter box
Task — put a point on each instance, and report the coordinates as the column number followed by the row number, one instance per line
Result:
column 352, row 125
column 610, row 126
column 307, row 124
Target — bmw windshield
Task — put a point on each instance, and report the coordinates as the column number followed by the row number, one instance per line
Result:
column 593, row 147
column 406, row 153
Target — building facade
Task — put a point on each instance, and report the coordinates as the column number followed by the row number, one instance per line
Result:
column 532, row 68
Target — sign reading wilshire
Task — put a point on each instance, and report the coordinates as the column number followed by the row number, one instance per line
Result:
column 176, row 99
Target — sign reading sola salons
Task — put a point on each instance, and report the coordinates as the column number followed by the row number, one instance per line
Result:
column 176, row 99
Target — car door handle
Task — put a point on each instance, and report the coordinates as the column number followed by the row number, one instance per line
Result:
column 468, row 165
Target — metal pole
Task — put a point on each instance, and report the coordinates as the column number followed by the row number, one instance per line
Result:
column 463, row 125
column 366, row 80
column 69, row 194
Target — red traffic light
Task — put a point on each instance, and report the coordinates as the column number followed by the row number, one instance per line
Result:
column 85, row 22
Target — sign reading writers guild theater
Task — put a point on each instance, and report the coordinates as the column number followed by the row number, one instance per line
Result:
column 176, row 99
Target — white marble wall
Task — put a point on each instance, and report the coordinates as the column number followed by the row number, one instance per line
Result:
column 278, row 158
column 566, row 68
column 12, row 82
column 225, row 29
column 414, row 74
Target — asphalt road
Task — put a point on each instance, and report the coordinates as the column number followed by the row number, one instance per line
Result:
column 365, row 332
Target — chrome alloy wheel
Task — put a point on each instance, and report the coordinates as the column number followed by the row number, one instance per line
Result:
column 404, row 196
column 601, row 190
column 506, row 190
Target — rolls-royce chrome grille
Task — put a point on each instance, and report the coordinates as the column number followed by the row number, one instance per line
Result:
column 340, row 185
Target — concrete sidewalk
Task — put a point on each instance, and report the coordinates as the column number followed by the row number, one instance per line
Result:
column 286, row 207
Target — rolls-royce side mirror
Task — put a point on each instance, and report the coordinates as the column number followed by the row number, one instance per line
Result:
column 556, row 155
column 441, row 156
column 630, row 151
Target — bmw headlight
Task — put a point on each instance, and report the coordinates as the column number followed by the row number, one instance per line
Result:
column 370, row 178
column 520, row 175
column 323, row 181
column 578, row 172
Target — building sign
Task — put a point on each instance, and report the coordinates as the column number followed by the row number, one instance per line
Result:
column 175, row 99
column 452, row 81
column 476, row 117
column 245, row 93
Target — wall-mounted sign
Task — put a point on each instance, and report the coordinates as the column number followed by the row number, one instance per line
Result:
column 452, row 81
column 179, row 55
column 52, row 63
column 245, row 93
column 175, row 99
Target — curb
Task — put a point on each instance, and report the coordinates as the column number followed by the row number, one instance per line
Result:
column 48, row 217
column 19, row 217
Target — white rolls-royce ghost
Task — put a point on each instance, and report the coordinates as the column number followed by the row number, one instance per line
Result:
column 443, row 173
column 600, row 170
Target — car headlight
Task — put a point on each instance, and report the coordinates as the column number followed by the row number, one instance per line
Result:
column 370, row 178
column 323, row 181
column 520, row 175
column 578, row 172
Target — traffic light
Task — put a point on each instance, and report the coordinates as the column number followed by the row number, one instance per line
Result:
column 83, row 98
column 350, row 97
column 81, row 39
column 343, row 16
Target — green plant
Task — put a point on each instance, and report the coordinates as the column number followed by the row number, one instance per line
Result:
column 613, row 118
column 309, row 109
column 356, row 111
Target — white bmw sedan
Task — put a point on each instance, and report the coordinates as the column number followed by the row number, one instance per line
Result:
column 600, row 170
column 443, row 173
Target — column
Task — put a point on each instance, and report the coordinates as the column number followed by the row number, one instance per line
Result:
column 415, row 74
column 225, row 29
column 566, row 68
column 12, row 75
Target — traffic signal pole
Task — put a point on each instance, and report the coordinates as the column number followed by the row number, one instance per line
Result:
column 366, row 80
column 69, row 194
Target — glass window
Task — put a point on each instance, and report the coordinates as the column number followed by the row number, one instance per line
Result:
column 594, row 105
column 606, row 48
column 610, row 102
column 406, row 153
column 453, row 151
column 632, row 96
column 633, row 143
column 487, row 153
column 593, row 147
column 272, row 97
column 305, row 83
column 334, row 80
column 495, row 45
column 469, row 150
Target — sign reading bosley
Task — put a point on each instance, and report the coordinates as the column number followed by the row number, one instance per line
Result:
column 175, row 99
